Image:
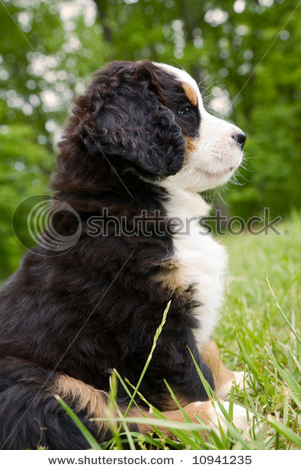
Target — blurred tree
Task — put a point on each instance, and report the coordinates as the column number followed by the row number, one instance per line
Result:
column 245, row 53
column 24, row 171
column 48, row 51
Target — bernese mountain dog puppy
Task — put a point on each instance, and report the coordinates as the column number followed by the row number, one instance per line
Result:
column 138, row 149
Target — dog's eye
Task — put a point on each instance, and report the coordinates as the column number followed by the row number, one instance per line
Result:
column 184, row 111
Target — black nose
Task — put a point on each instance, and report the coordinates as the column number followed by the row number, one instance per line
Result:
column 240, row 138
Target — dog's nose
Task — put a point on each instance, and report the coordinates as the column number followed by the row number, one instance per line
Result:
column 240, row 138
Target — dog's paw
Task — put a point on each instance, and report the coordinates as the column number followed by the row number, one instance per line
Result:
column 210, row 413
column 241, row 418
column 239, row 378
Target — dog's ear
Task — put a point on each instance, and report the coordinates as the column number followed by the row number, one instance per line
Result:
column 126, row 118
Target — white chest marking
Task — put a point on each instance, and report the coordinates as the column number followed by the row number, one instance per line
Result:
column 201, row 260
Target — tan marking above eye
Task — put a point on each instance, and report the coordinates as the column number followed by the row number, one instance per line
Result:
column 190, row 93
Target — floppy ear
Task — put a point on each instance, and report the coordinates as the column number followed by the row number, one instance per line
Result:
column 126, row 119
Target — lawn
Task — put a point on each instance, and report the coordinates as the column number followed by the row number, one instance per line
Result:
column 258, row 333
column 260, row 327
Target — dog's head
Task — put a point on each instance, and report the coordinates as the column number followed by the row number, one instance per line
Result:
column 151, row 116
column 213, row 146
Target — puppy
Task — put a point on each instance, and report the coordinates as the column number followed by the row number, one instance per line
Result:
column 137, row 150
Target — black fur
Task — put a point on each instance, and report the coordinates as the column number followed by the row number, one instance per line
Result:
column 98, row 305
column 31, row 417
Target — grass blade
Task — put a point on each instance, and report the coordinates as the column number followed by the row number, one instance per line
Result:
column 282, row 312
column 294, row 386
column 158, row 332
column 85, row 432
column 286, row 432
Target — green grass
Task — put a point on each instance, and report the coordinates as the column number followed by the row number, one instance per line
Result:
column 259, row 333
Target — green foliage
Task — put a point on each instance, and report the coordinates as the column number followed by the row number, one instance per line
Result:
column 24, row 170
column 244, row 53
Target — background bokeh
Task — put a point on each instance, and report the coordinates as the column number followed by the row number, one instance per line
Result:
column 246, row 55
